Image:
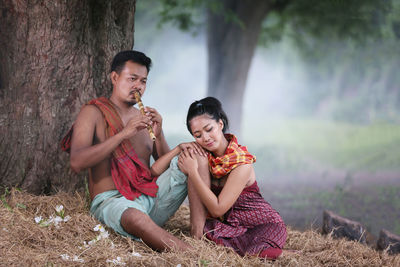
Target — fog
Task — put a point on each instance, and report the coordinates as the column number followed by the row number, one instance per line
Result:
column 179, row 76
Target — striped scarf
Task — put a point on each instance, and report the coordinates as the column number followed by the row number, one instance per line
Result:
column 235, row 155
column 131, row 177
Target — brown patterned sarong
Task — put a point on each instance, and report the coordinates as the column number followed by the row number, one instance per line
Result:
column 250, row 227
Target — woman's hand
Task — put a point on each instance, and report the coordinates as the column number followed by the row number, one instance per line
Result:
column 202, row 160
column 187, row 162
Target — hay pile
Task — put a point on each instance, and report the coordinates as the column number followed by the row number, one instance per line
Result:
column 24, row 242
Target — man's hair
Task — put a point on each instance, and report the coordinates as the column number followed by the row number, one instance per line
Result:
column 122, row 57
column 210, row 106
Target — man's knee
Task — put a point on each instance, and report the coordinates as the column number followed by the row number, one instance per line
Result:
column 134, row 221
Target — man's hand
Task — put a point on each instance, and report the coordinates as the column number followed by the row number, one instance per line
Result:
column 195, row 147
column 134, row 125
column 156, row 120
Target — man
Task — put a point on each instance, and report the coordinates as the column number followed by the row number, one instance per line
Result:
column 110, row 138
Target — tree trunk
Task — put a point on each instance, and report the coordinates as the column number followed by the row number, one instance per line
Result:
column 54, row 56
column 231, row 48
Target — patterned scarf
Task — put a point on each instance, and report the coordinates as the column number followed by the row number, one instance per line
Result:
column 131, row 177
column 235, row 155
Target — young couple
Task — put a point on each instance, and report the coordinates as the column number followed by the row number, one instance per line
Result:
column 110, row 138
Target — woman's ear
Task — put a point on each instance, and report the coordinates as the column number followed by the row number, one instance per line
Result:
column 221, row 124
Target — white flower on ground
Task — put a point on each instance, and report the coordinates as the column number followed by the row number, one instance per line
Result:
column 136, row 254
column 179, row 265
column 38, row 219
column 78, row 259
column 66, row 257
column 104, row 235
column 55, row 220
column 67, row 218
column 99, row 227
column 59, row 208
column 60, row 211
column 116, row 261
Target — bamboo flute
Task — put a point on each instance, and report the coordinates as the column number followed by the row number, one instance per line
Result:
column 141, row 108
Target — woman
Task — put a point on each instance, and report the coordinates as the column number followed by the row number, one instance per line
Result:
column 226, row 202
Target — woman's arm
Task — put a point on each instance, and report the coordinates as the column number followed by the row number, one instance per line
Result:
column 236, row 182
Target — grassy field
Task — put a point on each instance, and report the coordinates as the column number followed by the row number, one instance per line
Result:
column 300, row 145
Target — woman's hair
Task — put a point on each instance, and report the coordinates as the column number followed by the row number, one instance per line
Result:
column 210, row 106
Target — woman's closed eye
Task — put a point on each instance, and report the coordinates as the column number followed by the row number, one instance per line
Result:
column 209, row 130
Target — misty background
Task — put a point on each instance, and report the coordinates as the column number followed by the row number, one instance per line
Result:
column 322, row 117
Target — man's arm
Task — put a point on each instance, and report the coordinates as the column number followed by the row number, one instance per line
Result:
column 160, row 144
column 162, row 163
column 83, row 153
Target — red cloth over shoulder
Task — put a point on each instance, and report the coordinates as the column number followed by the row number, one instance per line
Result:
column 131, row 177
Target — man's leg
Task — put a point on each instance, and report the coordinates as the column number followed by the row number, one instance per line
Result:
column 129, row 218
column 172, row 191
column 141, row 225
column 198, row 212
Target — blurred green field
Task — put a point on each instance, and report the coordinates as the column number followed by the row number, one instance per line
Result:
column 288, row 146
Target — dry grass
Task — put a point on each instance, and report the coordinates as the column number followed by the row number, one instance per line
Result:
column 23, row 242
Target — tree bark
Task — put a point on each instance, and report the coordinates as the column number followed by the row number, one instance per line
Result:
column 231, row 48
column 54, row 56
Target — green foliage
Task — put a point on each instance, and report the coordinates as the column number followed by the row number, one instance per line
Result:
column 334, row 19
column 184, row 14
column 204, row 263
column 3, row 198
column 190, row 15
column 338, row 19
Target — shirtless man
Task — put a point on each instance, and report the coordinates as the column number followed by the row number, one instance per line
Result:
column 91, row 148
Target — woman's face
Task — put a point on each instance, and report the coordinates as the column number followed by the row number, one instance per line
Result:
column 207, row 132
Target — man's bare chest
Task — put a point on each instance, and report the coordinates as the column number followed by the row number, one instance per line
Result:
column 141, row 142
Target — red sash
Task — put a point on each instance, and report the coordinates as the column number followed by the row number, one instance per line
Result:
column 131, row 177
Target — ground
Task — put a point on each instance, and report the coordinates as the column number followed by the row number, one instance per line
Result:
column 373, row 199
column 30, row 235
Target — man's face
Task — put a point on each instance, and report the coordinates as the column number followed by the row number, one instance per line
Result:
column 133, row 77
